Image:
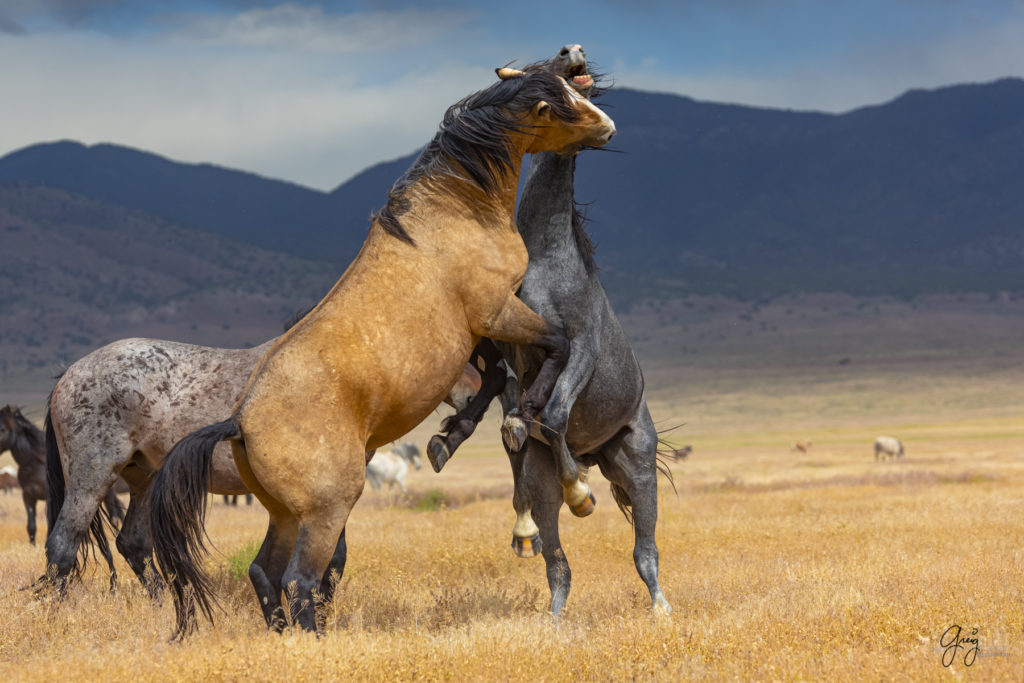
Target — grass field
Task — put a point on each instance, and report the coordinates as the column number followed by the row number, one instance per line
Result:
column 780, row 565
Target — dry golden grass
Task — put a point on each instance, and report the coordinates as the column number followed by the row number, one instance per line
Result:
column 780, row 565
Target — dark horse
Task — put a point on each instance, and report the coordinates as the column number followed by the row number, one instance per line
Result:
column 438, row 271
column 597, row 414
column 26, row 443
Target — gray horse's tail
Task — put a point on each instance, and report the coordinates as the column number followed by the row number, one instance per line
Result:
column 177, row 515
column 662, row 455
column 56, row 492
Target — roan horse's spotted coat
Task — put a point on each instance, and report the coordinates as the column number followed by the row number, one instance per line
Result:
column 119, row 410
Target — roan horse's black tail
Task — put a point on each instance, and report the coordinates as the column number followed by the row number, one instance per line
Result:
column 177, row 516
column 55, row 494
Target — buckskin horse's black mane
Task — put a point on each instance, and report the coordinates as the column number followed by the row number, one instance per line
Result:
column 472, row 141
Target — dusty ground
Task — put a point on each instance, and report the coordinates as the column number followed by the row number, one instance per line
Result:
column 822, row 565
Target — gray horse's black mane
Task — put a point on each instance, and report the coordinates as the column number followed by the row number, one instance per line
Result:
column 584, row 245
column 472, row 141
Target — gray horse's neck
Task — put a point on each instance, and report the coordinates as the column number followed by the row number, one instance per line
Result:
column 545, row 212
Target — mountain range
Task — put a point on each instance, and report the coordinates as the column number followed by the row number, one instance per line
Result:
column 924, row 187
column 920, row 194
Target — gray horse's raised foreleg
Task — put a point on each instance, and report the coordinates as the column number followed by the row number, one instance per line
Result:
column 554, row 422
column 629, row 462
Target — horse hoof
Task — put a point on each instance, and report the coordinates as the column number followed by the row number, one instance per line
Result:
column 514, row 433
column 437, row 453
column 585, row 507
column 526, row 547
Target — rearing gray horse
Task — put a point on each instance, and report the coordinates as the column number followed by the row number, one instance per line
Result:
column 597, row 413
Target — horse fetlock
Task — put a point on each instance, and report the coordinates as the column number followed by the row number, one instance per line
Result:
column 660, row 605
column 437, row 452
column 526, row 547
column 579, row 498
column 514, row 432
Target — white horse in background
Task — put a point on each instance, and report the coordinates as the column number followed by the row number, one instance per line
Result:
column 888, row 446
column 392, row 466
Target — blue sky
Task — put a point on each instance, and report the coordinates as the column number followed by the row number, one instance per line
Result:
column 313, row 92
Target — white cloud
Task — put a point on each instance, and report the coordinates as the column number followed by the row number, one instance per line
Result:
column 277, row 115
column 310, row 28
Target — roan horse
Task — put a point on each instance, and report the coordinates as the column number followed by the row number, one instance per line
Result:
column 597, row 411
column 438, row 271
column 25, row 442
column 118, row 411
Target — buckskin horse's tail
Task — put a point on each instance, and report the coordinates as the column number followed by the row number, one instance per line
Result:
column 177, row 516
column 56, row 492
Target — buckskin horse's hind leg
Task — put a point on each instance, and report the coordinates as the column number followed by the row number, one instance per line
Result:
column 268, row 567
column 135, row 543
column 335, row 570
column 309, row 561
column 457, row 428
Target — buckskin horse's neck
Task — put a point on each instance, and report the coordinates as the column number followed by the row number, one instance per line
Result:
column 453, row 196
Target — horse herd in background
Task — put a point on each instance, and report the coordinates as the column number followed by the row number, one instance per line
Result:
column 509, row 308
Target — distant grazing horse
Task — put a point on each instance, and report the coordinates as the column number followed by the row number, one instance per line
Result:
column 680, row 453
column 233, row 500
column 117, row 411
column 597, row 414
column 25, row 442
column 438, row 271
column 391, row 466
column 888, row 446
column 8, row 478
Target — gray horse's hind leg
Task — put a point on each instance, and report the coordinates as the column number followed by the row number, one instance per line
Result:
column 546, row 494
column 629, row 462
column 135, row 543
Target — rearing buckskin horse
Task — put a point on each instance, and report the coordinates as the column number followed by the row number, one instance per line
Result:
column 118, row 411
column 597, row 413
column 438, row 271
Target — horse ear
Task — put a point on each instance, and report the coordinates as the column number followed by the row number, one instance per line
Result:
column 542, row 110
column 505, row 73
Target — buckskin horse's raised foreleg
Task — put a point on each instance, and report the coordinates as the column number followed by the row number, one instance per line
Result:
column 458, row 427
